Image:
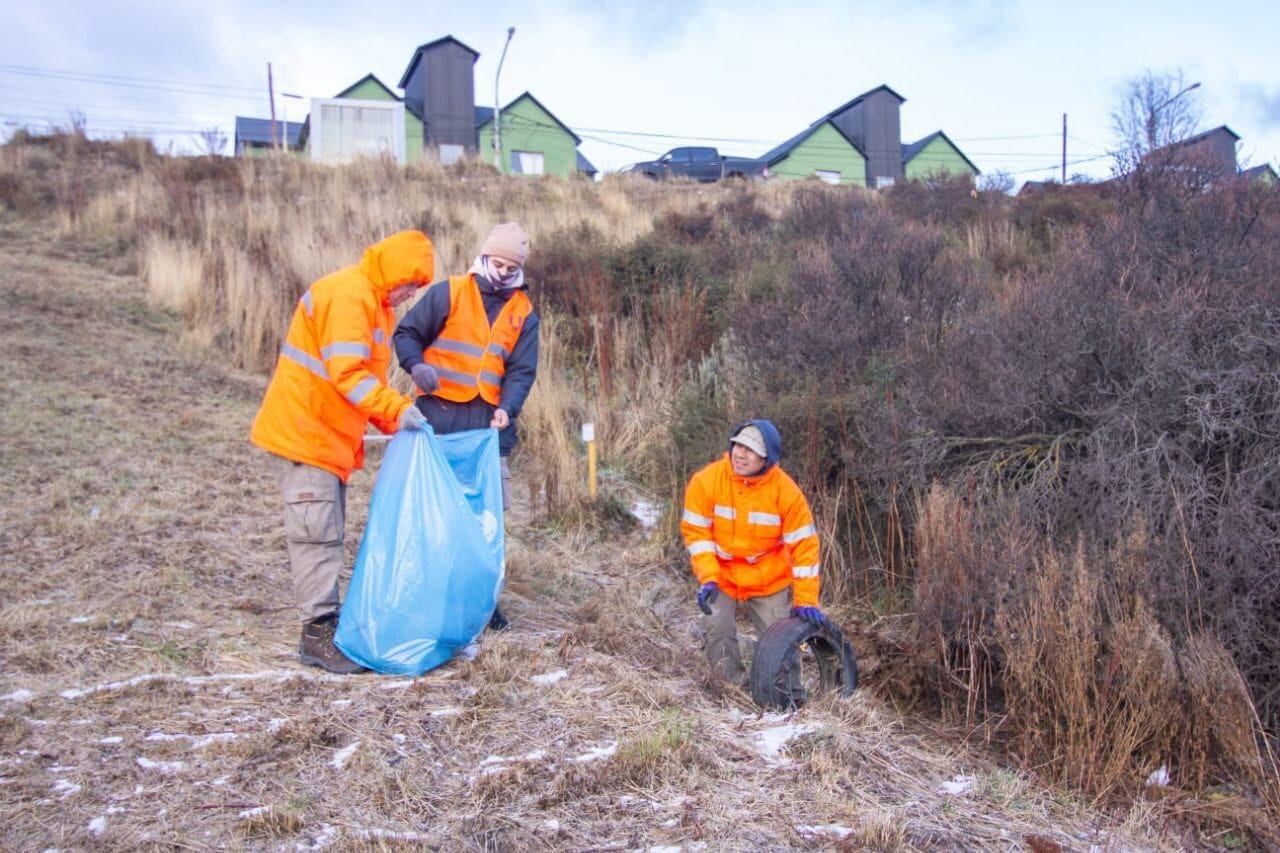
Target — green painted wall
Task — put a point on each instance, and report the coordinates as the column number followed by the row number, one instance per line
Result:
column 413, row 135
column 825, row 150
column 527, row 127
column 936, row 159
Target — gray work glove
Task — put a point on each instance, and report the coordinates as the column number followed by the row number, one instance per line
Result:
column 413, row 419
column 425, row 377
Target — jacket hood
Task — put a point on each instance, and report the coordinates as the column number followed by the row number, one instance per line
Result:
column 772, row 440
column 399, row 259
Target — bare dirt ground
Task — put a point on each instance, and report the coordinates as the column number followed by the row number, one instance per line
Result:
column 150, row 694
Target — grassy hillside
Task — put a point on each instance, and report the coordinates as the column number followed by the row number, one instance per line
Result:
column 1039, row 435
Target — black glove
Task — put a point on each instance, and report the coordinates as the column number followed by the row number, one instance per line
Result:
column 707, row 595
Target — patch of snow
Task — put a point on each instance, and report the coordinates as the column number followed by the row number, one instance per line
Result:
column 40, row 602
column 279, row 675
column 324, row 837
column 254, row 812
column 396, row 685
column 165, row 737
column 115, row 810
column 112, row 739
column 62, row 786
column 647, row 513
column 370, row 834
column 549, row 677
column 165, row 767
column 826, row 829
column 221, row 780
column 551, row 825
column 79, row 620
column 31, row 721
column 119, row 638
column 210, row 740
column 97, row 826
column 343, row 755
column 593, row 690
column 398, row 738
column 597, row 752
column 667, row 824
column 185, row 626
column 275, row 724
column 446, row 712
column 957, row 785
column 769, row 742
column 22, row 695
column 59, row 768
column 340, row 703
column 1160, row 777
column 470, row 651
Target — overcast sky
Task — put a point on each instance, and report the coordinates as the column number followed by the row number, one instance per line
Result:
column 996, row 75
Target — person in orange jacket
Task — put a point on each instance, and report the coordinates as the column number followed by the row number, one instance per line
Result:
column 329, row 384
column 750, row 537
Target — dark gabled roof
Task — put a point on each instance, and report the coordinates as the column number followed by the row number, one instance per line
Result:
column 855, row 101
column 1191, row 140
column 259, row 130
column 1257, row 172
column 910, row 150
column 483, row 115
column 418, row 51
column 584, row 165
column 543, row 107
column 363, row 79
column 774, row 155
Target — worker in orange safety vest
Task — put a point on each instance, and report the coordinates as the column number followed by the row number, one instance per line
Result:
column 751, row 538
column 329, row 384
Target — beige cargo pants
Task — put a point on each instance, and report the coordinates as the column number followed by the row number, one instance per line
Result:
column 721, row 630
column 315, row 514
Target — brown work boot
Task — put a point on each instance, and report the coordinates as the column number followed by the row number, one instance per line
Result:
column 317, row 648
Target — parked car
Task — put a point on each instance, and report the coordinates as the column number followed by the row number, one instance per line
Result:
column 700, row 164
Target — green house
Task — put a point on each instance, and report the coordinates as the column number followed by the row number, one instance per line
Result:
column 935, row 157
column 534, row 141
column 820, row 151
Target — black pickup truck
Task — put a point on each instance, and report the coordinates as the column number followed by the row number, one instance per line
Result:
column 700, row 164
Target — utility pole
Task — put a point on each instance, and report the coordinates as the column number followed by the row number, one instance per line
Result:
column 271, row 95
column 1064, row 149
column 497, row 108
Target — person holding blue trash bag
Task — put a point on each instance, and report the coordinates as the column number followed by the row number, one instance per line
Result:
column 751, row 539
column 471, row 346
column 330, row 382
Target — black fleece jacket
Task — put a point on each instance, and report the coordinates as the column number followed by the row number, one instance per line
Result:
column 419, row 328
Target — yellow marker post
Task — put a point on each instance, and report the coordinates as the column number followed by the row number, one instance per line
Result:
column 589, row 436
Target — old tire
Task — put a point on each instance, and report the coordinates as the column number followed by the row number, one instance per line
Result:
column 778, row 654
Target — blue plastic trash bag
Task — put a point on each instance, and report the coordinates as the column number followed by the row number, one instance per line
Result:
column 430, row 565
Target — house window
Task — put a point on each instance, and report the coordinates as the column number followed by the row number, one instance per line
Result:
column 827, row 176
column 883, row 181
column 526, row 162
column 343, row 129
column 450, row 153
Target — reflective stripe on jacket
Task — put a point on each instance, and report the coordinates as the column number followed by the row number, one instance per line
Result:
column 752, row 535
column 469, row 354
column 330, row 380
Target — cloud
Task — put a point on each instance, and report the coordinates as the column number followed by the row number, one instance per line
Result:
column 1262, row 103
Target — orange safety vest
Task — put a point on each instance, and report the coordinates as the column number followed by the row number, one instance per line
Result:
column 753, row 536
column 469, row 354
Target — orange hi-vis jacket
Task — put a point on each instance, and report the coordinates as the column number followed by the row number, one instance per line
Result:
column 753, row 536
column 331, row 377
column 470, row 355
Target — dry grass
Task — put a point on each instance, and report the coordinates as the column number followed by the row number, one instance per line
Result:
column 146, row 615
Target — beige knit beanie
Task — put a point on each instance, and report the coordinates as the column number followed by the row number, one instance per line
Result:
column 507, row 241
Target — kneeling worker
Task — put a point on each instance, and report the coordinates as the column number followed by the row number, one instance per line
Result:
column 750, row 537
column 471, row 345
column 330, row 382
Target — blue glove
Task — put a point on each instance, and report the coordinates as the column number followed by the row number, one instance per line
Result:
column 425, row 377
column 812, row 615
column 707, row 595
